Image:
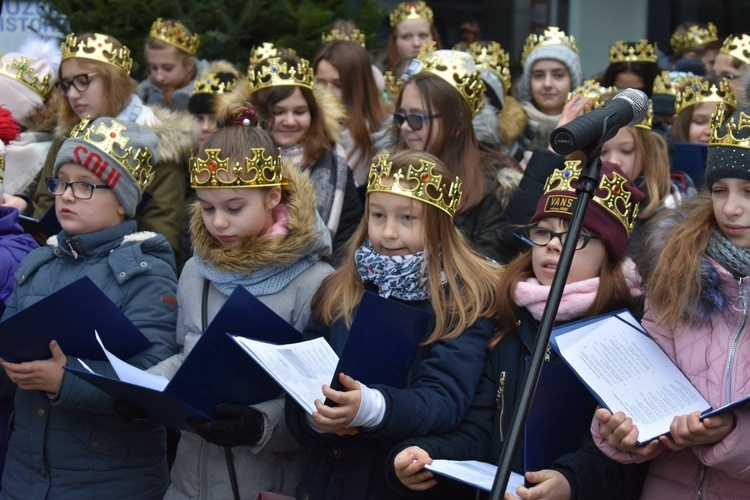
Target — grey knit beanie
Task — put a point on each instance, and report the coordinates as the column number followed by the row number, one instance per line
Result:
column 559, row 52
column 122, row 153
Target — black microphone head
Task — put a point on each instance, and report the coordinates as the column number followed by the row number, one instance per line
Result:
column 638, row 100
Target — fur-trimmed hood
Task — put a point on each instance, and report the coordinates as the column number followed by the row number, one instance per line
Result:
column 486, row 126
column 176, row 133
column 511, row 121
column 307, row 233
column 714, row 297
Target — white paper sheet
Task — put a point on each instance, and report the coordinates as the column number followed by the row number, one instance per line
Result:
column 131, row 374
column 478, row 474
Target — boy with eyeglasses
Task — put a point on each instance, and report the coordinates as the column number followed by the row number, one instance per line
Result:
column 66, row 440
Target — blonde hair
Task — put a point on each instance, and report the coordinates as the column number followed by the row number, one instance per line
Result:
column 651, row 151
column 467, row 294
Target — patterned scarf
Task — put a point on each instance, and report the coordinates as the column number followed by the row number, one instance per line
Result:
column 734, row 259
column 402, row 276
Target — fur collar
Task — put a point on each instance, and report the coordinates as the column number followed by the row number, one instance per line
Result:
column 511, row 121
column 52, row 241
column 307, row 233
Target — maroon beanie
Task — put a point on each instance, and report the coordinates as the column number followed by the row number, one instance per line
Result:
column 611, row 213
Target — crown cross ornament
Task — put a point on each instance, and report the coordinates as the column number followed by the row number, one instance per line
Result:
column 640, row 51
column 452, row 68
column 356, row 36
column 737, row 47
column 494, row 58
column 276, row 72
column 21, row 70
column 267, row 50
column 694, row 37
column 97, row 48
column 411, row 10
column 420, row 182
column 258, row 170
column 731, row 137
column 551, row 36
column 210, row 84
column 616, row 201
column 697, row 91
column 176, row 35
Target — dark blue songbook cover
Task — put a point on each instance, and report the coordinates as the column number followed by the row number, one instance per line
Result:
column 215, row 371
column 70, row 316
column 690, row 159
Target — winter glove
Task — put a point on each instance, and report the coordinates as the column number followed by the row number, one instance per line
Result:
column 129, row 411
column 233, row 425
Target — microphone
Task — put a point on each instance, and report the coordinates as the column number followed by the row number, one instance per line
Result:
column 627, row 108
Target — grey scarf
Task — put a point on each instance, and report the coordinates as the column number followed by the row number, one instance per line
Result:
column 734, row 259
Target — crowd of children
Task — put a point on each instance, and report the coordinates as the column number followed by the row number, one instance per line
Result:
column 428, row 179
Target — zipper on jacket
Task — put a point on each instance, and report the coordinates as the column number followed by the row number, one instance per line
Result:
column 500, row 403
column 735, row 341
column 701, row 480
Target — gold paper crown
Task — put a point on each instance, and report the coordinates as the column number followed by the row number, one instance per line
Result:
column 737, row 47
column 422, row 184
column 259, row 170
column 640, row 51
column 697, row 91
column 494, row 58
column 136, row 164
column 551, row 36
column 356, row 36
column 617, row 201
column 592, row 89
column 97, row 48
column 209, row 83
column 693, row 37
column 411, row 10
column 276, row 72
column 451, row 67
column 176, row 35
column 393, row 85
column 729, row 139
column 267, row 50
column 20, row 69
column 663, row 85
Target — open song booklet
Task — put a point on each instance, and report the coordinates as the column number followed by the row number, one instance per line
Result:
column 627, row 371
column 478, row 474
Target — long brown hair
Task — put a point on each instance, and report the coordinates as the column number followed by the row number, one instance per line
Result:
column 457, row 145
column 613, row 292
column 674, row 290
column 359, row 93
column 470, row 279
column 118, row 85
column 316, row 141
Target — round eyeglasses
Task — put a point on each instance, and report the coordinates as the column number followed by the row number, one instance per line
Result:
column 540, row 236
column 79, row 82
column 415, row 120
column 81, row 190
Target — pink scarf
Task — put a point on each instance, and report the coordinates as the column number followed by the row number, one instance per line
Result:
column 577, row 297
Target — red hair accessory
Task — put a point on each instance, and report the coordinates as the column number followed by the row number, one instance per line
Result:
column 246, row 118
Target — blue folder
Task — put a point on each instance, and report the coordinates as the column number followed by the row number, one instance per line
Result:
column 690, row 159
column 382, row 342
column 43, row 228
column 70, row 316
column 215, row 371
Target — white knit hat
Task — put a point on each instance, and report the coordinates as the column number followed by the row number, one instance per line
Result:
column 558, row 52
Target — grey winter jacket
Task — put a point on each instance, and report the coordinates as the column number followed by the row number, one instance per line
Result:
column 74, row 445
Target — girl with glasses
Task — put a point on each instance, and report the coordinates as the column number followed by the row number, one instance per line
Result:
column 434, row 113
column 66, row 438
column 601, row 279
column 97, row 84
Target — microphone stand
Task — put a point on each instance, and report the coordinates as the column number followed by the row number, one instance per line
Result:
column 587, row 185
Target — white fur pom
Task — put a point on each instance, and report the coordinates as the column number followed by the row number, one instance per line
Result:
column 42, row 48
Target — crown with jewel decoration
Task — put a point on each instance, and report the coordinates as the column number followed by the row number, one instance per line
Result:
column 275, row 72
column 617, row 200
column 107, row 137
column 259, row 170
column 494, row 58
column 21, row 70
column 694, row 37
column 209, row 83
column 98, row 48
column 267, row 50
column 640, row 51
column 696, row 90
column 420, row 182
column 737, row 47
column 593, row 90
column 356, row 36
column 551, row 36
column 735, row 123
column 393, row 85
column 451, row 67
column 176, row 35
column 411, row 10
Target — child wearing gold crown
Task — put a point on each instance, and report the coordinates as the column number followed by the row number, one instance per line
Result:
column 94, row 78
column 305, row 122
column 699, row 41
column 412, row 27
column 695, row 265
column 434, row 113
column 601, row 279
column 170, row 50
column 406, row 249
column 66, row 440
column 695, row 102
column 632, row 65
column 733, row 58
column 254, row 225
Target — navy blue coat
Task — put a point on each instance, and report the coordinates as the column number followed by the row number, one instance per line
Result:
column 442, row 382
